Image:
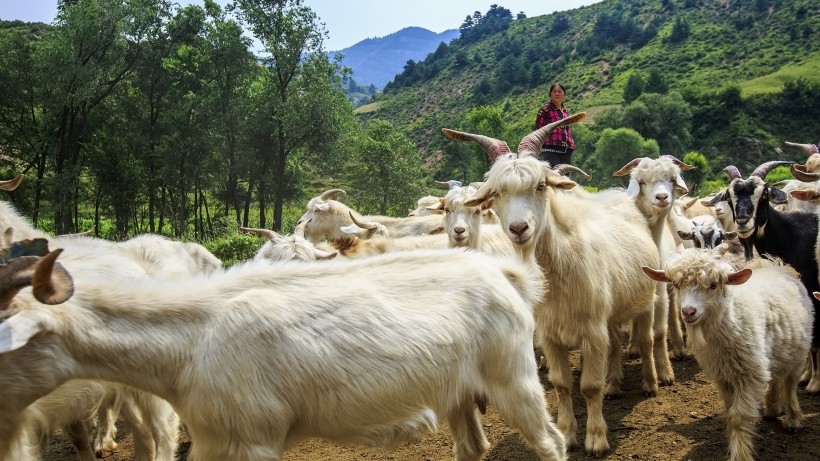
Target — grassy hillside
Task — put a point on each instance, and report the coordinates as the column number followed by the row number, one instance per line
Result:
column 698, row 46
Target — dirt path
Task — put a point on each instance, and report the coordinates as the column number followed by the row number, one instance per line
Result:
column 682, row 423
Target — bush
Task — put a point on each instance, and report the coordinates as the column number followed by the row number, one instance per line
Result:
column 232, row 249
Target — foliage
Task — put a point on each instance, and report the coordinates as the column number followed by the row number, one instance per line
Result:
column 235, row 248
column 617, row 147
column 385, row 170
column 696, row 176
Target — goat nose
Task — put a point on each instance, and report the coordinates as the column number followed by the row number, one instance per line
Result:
column 458, row 230
column 662, row 196
column 518, row 228
column 688, row 311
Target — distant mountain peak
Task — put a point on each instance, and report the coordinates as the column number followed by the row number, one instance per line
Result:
column 378, row 60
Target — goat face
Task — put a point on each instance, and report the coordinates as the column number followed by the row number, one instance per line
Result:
column 461, row 222
column 521, row 190
column 749, row 201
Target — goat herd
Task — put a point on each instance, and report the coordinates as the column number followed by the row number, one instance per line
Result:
column 416, row 320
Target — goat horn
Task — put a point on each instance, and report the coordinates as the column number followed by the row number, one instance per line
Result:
column 807, row 148
column 267, row 233
column 450, row 183
column 679, row 163
column 299, row 230
column 51, row 283
column 494, row 148
column 563, row 168
column 800, row 173
column 12, row 184
column 628, row 167
column 331, row 194
column 361, row 224
column 533, row 141
column 764, row 169
column 733, row 172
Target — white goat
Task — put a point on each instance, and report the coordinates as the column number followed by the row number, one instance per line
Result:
column 655, row 185
column 750, row 331
column 154, row 431
column 328, row 217
column 289, row 248
column 590, row 248
column 257, row 357
column 423, row 206
column 159, row 255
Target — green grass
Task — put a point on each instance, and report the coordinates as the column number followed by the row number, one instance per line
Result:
column 773, row 83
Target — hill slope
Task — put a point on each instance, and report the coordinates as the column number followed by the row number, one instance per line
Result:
column 697, row 46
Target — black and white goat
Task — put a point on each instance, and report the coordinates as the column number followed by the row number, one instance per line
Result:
column 791, row 237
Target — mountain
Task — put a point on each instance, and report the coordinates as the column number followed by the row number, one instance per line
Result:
column 700, row 48
column 375, row 61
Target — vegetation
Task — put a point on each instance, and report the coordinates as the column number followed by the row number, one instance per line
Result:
column 144, row 116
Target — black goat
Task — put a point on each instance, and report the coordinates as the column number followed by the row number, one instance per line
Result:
column 792, row 236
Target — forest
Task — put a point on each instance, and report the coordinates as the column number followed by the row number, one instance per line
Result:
column 141, row 116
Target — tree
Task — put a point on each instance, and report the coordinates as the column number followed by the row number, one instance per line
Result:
column 385, row 169
column 634, row 87
column 696, row 176
column 680, row 30
column 617, row 147
column 90, row 55
column 656, row 83
column 305, row 108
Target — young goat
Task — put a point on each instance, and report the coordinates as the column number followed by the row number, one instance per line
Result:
column 750, row 331
column 260, row 356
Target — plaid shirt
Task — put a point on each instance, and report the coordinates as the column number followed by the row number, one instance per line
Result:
column 559, row 136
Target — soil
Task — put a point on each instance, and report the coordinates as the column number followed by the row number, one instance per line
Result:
column 683, row 422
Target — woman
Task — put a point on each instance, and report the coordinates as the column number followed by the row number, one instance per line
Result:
column 559, row 145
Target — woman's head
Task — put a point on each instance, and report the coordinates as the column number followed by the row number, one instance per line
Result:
column 557, row 93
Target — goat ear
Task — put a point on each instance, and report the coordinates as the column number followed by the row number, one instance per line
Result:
column 656, row 275
column 805, row 195
column 740, row 277
column 816, row 294
column 482, row 195
column 730, row 235
column 320, row 254
column 350, row 229
column 721, row 197
column 680, row 185
column 17, row 330
column 560, row 182
column 777, row 196
column 686, row 235
column 634, row 188
column 437, row 230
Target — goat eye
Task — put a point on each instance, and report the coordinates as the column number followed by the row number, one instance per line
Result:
column 641, row 183
column 478, row 211
column 541, row 187
column 713, row 285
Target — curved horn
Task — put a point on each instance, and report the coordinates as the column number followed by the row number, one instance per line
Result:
column 450, row 183
column 678, row 163
column 807, row 148
column 363, row 225
column 331, row 194
column 733, row 172
column 494, row 148
column 299, row 230
column 267, row 233
column 563, row 168
column 51, row 283
column 800, row 173
column 762, row 170
column 628, row 167
column 532, row 142
column 12, row 184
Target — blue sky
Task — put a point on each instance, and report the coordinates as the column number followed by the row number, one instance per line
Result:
column 351, row 21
